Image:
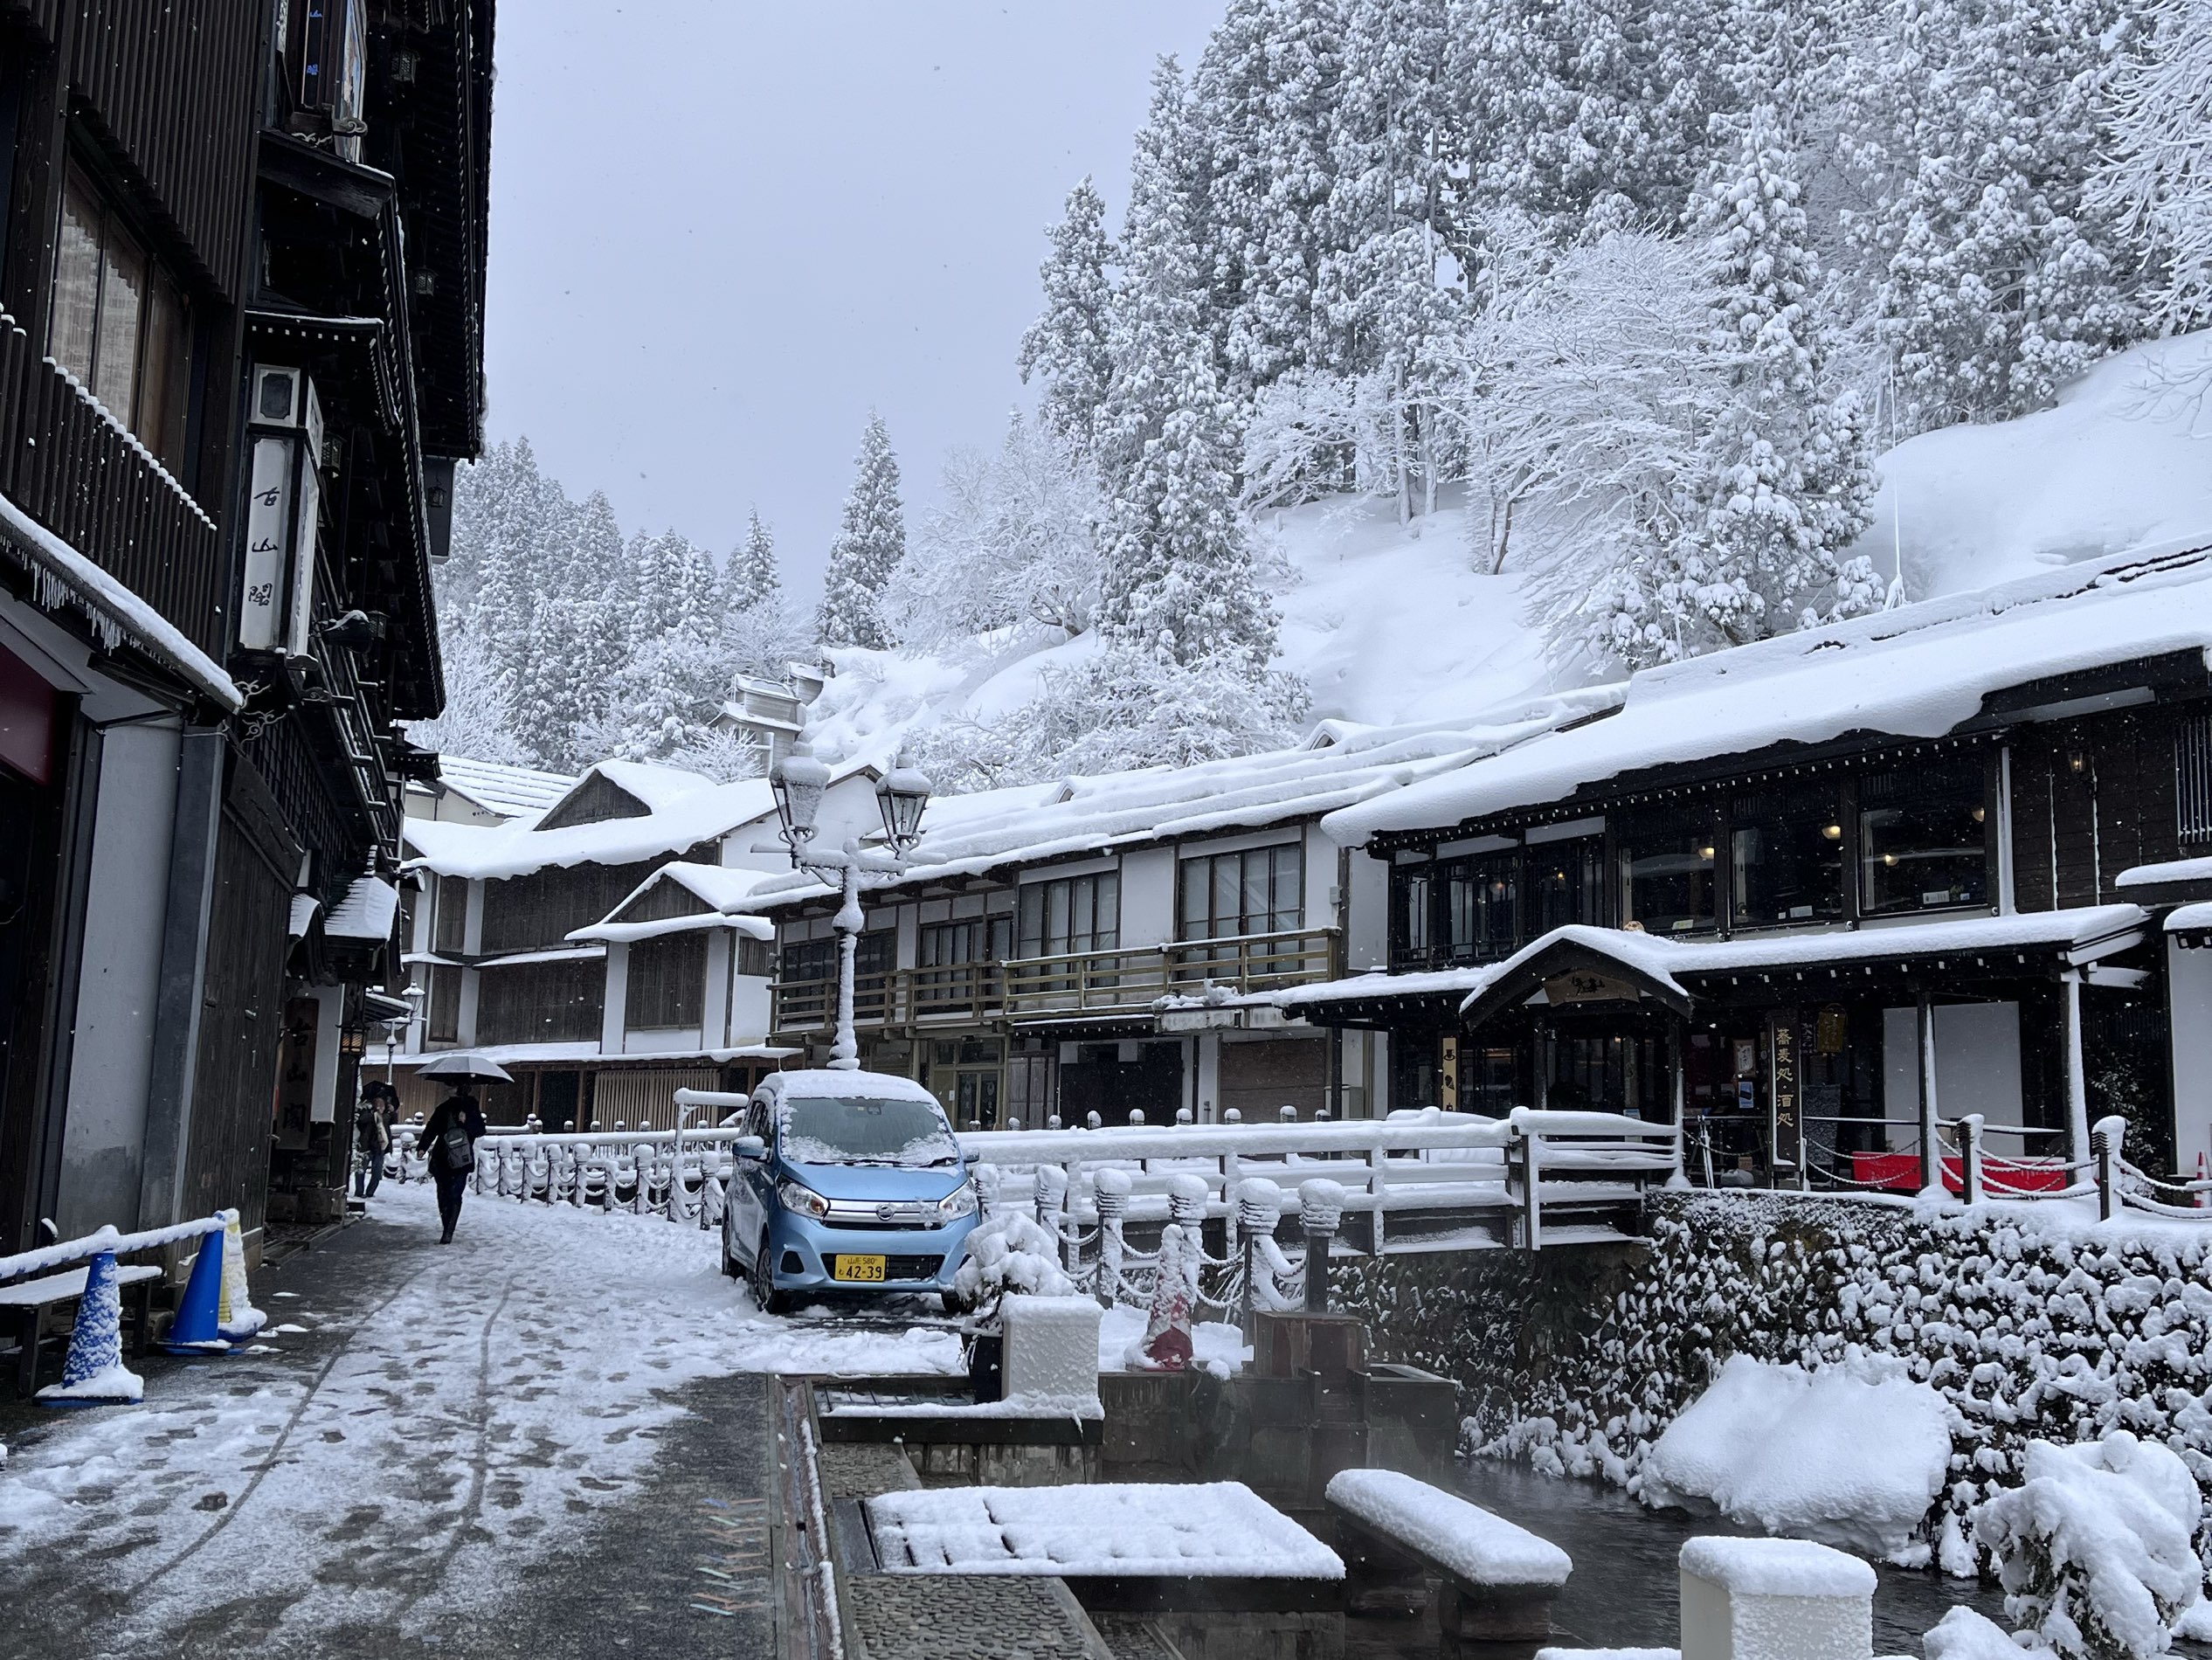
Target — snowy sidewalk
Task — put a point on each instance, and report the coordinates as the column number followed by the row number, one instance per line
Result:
column 513, row 1440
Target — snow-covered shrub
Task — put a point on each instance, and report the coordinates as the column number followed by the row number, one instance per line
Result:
column 1852, row 1455
column 2095, row 1548
column 1964, row 1634
column 1010, row 1251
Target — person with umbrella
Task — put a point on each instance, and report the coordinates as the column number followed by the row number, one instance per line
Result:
column 449, row 1140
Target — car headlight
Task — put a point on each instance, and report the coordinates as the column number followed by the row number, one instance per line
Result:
column 805, row 1201
column 961, row 1201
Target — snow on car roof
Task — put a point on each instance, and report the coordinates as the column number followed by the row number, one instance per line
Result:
column 1920, row 671
column 818, row 1083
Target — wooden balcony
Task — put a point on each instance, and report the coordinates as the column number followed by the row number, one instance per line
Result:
column 65, row 462
column 1069, row 985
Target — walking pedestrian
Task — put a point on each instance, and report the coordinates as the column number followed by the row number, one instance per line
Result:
column 450, row 1137
column 371, row 1140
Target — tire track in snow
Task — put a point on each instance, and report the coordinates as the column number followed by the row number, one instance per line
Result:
column 291, row 1423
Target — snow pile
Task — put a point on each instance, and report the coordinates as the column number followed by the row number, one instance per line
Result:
column 2096, row 1547
column 1964, row 1634
column 1213, row 1530
column 1009, row 1250
column 1051, row 1347
column 1852, row 1456
column 1467, row 1540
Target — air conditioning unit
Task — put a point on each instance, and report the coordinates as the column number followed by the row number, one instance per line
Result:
column 284, row 508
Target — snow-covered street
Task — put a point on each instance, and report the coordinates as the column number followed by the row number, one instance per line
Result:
column 441, row 1447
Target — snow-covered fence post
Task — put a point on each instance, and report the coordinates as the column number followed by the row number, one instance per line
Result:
column 1970, row 1157
column 987, row 1180
column 2078, row 1152
column 2106, row 1136
column 1379, row 1187
column 1259, row 1207
column 1187, row 1197
column 1110, row 1191
column 1321, row 1209
column 1531, row 1187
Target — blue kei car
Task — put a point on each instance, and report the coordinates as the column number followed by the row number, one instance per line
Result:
column 846, row 1181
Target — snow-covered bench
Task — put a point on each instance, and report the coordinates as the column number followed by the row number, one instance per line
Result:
column 1499, row 1579
column 26, row 1302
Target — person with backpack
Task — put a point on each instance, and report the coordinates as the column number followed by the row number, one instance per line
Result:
column 371, row 1141
column 449, row 1140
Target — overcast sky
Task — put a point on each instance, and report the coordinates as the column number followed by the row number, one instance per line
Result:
column 722, row 230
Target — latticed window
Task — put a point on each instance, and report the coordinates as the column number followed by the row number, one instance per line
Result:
column 2193, row 778
column 667, row 982
column 553, row 1002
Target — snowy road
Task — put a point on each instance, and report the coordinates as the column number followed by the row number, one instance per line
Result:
column 459, row 1450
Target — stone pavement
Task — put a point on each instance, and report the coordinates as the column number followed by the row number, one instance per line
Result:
column 530, row 1442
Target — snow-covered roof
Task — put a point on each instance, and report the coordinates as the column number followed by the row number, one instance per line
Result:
column 722, row 888
column 588, row 1050
column 365, row 910
column 511, row 792
column 304, row 907
column 1920, row 672
column 2166, row 874
column 680, row 819
column 1341, row 763
column 2086, row 931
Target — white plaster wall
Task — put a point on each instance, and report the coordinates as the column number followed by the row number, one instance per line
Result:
column 330, row 1010
column 111, row 1061
column 1977, row 1068
column 664, row 1040
column 1148, row 897
column 1368, row 942
column 2189, row 994
column 748, row 1009
column 714, row 1005
column 614, row 1007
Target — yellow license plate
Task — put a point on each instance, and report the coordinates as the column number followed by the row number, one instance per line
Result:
column 858, row 1267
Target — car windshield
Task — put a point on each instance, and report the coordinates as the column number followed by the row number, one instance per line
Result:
column 835, row 1129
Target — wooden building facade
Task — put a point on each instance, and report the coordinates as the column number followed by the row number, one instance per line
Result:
column 241, row 294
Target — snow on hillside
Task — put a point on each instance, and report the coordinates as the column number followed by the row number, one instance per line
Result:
column 1388, row 624
column 2123, row 463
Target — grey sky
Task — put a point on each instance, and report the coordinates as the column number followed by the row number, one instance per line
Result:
column 722, row 232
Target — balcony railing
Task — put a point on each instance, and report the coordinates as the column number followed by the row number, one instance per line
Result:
column 66, row 463
column 1075, row 983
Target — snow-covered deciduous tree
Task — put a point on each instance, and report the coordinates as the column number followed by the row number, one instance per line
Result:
column 1973, row 130
column 473, row 722
column 1066, row 348
column 2156, row 179
column 871, row 542
column 1012, row 544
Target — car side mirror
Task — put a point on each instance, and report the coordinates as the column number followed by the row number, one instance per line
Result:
column 750, row 1147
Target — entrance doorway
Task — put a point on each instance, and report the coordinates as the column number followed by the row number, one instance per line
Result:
column 967, row 1074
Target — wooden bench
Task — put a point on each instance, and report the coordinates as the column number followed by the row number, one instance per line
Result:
column 27, row 1301
column 1499, row 1580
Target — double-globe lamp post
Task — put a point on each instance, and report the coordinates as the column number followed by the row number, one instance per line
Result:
column 799, row 781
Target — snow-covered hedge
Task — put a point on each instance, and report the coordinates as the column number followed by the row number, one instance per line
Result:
column 1010, row 1250
column 2034, row 1323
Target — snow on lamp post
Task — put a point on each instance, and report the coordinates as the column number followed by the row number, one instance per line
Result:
column 799, row 783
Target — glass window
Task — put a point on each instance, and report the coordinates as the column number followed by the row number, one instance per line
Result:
column 1071, row 913
column 977, row 939
column 1785, row 857
column 119, row 325
column 1411, row 894
column 1259, row 890
column 861, row 1131
column 1564, row 883
column 1671, row 874
column 1480, row 906
column 1923, row 841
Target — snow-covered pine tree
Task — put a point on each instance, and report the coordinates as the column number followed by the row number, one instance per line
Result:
column 1264, row 97
column 1973, row 128
column 751, row 576
column 2156, row 180
column 1066, row 348
column 1787, row 478
column 1179, row 585
column 871, row 542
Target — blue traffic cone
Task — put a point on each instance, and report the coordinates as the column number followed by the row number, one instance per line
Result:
column 199, row 1312
column 94, row 1375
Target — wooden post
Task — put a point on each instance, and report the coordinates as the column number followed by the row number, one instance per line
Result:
column 1931, row 1121
column 2076, row 1081
column 1531, row 1194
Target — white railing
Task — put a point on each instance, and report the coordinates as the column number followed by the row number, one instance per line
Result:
column 679, row 1174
